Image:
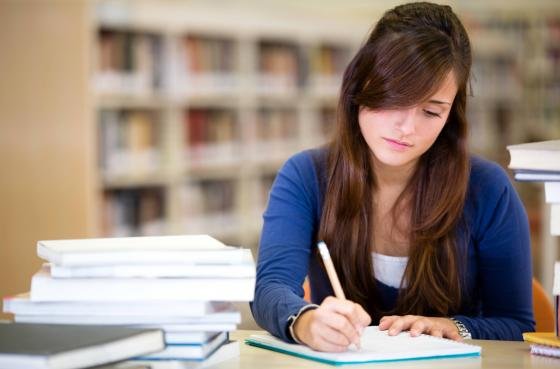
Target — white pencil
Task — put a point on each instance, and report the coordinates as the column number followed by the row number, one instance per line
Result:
column 333, row 277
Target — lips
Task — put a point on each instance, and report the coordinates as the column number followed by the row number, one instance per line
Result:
column 397, row 144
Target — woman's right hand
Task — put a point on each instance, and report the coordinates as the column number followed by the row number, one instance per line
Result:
column 333, row 326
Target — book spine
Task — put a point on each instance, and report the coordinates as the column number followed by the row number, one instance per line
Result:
column 557, row 314
column 555, row 223
column 545, row 350
column 142, row 289
column 556, row 294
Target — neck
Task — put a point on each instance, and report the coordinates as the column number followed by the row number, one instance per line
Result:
column 393, row 177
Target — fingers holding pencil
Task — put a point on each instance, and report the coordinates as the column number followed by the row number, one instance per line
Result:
column 333, row 326
column 337, row 323
column 353, row 312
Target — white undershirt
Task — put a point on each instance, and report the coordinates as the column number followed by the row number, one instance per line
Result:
column 389, row 270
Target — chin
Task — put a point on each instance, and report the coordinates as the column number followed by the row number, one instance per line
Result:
column 395, row 160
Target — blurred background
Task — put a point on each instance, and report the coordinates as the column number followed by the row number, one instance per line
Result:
column 122, row 118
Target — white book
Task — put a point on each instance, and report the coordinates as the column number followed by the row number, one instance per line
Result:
column 22, row 304
column 184, row 328
column 552, row 192
column 244, row 269
column 46, row 288
column 230, row 317
column 187, row 249
column 545, row 350
column 188, row 351
column 189, row 337
column 228, row 350
column 555, row 219
column 543, row 155
column 536, row 176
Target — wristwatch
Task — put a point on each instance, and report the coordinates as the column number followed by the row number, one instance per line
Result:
column 463, row 331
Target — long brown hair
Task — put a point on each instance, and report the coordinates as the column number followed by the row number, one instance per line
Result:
column 405, row 59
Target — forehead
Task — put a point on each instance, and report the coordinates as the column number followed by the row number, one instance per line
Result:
column 447, row 89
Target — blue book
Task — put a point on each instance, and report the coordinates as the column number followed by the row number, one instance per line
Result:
column 186, row 351
column 536, row 175
column 376, row 346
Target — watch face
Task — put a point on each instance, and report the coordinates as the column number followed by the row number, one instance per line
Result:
column 463, row 331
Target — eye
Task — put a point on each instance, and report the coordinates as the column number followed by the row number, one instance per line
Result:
column 431, row 114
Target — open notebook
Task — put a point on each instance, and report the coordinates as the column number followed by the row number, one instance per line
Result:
column 377, row 346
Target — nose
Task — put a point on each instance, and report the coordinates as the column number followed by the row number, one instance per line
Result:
column 405, row 121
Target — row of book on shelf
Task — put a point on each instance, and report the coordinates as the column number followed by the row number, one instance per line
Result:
column 131, row 141
column 139, row 63
column 133, row 211
column 540, row 162
column 206, row 204
column 181, row 287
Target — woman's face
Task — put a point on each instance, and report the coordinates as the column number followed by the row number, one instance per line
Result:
column 397, row 138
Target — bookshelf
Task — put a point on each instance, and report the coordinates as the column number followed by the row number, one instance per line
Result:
column 516, row 79
column 194, row 121
column 516, row 88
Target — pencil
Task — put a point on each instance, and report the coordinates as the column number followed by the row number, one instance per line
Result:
column 333, row 278
column 331, row 272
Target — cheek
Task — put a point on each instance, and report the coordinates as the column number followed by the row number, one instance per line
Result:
column 369, row 130
column 372, row 123
column 428, row 133
column 366, row 127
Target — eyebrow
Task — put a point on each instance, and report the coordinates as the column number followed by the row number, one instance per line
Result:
column 439, row 102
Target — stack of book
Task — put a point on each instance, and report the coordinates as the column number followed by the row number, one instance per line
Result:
column 540, row 162
column 548, row 343
column 184, row 285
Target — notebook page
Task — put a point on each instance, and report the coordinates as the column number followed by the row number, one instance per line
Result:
column 376, row 346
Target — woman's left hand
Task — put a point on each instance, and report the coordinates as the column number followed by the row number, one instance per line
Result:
column 416, row 324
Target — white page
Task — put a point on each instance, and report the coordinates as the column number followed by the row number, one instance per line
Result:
column 376, row 345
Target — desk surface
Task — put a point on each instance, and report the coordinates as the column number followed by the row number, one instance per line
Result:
column 495, row 355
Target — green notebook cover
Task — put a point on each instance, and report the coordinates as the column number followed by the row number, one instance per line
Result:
column 377, row 346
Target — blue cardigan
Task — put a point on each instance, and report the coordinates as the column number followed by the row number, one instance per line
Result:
column 498, row 280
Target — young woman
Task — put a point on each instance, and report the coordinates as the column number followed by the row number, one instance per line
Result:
column 424, row 237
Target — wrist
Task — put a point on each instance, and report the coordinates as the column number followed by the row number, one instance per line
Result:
column 461, row 329
column 295, row 319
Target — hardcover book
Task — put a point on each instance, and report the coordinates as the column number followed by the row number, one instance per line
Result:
column 41, row 346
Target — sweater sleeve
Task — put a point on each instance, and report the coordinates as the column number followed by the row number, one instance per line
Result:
column 285, row 246
column 504, row 275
